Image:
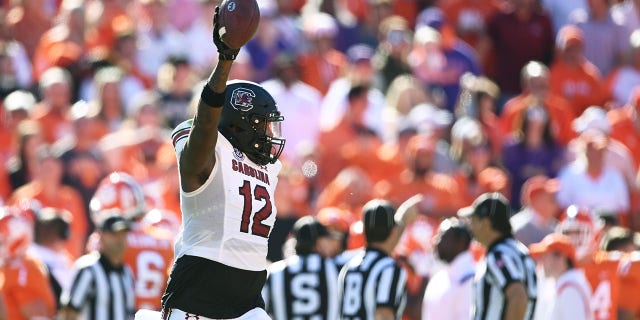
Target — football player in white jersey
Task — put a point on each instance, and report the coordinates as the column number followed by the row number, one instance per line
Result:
column 228, row 164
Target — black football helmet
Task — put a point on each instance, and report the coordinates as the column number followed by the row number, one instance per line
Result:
column 250, row 120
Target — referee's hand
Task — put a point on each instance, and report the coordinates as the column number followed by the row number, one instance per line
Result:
column 408, row 211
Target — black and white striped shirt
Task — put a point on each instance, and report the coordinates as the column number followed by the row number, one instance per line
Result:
column 507, row 261
column 302, row 287
column 371, row 280
column 100, row 291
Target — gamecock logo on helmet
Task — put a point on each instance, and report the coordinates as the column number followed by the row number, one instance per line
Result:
column 242, row 99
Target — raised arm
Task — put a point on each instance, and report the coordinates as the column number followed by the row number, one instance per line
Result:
column 198, row 157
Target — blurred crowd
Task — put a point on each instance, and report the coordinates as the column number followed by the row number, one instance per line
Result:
column 536, row 99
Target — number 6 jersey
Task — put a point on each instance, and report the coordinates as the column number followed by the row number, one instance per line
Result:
column 229, row 218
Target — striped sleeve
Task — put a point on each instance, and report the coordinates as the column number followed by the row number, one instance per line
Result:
column 505, row 268
column 80, row 289
column 391, row 287
column 180, row 134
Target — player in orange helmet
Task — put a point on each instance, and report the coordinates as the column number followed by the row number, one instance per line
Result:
column 622, row 240
column 149, row 251
column 23, row 291
column 600, row 267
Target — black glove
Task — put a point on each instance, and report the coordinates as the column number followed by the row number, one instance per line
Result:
column 224, row 52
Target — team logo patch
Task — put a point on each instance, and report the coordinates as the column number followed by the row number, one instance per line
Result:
column 238, row 154
column 242, row 99
column 231, row 6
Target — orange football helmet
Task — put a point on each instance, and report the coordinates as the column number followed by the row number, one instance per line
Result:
column 16, row 234
column 579, row 226
column 162, row 219
column 118, row 191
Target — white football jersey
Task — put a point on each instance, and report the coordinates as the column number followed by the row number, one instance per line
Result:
column 230, row 217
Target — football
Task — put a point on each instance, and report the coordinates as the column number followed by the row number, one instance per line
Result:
column 238, row 20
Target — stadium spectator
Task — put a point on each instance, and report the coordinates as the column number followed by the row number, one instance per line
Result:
column 64, row 44
column 21, row 166
column 532, row 151
column 16, row 50
column 199, row 32
column 571, row 75
column 402, row 95
column 82, row 161
column 605, row 37
column 321, row 63
column 627, row 13
column 266, row 44
column 440, row 59
column 440, row 191
column 7, row 72
column 540, row 209
column 477, row 100
column 592, row 181
column 519, row 34
column 298, row 102
column 28, row 20
column 469, row 19
column 358, row 73
column 390, row 60
column 157, row 38
column 15, row 108
column 104, row 21
column 561, row 12
column 625, row 78
column 25, row 290
column 175, row 82
column 572, row 300
column 349, row 136
column 477, row 172
column 51, row 232
column 46, row 187
column 535, row 92
column 51, row 112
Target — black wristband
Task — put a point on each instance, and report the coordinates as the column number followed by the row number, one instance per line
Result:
column 227, row 56
column 211, row 98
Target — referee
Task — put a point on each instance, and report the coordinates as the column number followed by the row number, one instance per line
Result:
column 505, row 284
column 303, row 286
column 372, row 284
column 102, row 286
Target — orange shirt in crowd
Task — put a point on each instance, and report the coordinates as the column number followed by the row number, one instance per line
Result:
column 626, row 129
column 441, row 192
column 112, row 20
column 629, row 283
column 468, row 17
column 601, row 270
column 319, row 70
column 490, row 179
column 65, row 198
column 7, row 142
column 26, row 282
column 27, row 24
column 55, row 50
column 53, row 123
column 581, row 85
column 560, row 114
column 149, row 253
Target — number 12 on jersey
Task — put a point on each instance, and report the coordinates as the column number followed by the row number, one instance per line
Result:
column 261, row 194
